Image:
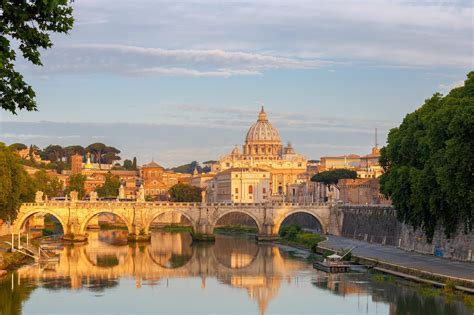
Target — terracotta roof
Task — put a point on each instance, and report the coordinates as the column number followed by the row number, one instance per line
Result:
column 152, row 164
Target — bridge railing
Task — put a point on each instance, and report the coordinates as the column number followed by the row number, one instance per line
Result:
column 100, row 203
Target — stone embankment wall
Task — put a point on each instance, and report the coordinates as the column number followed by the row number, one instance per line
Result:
column 379, row 224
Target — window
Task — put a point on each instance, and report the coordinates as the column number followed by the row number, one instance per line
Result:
column 250, row 189
column 236, row 197
column 264, row 190
column 236, row 190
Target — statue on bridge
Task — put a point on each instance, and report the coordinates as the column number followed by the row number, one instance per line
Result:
column 93, row 196
column 39, row 196
column 141, row 194
column 121, row 192
column 74, row 195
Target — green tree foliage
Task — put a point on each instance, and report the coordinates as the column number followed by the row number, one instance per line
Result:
column 185, row 193
column 127, row 164
column 110, row 158
column 73, row 150
column 15, row 185
column 76, row 183
column 134, row 163
column 50, row 185
column 54, row 152
column 188, row 168
column 28, row 24
column 110, row 188
column 333, row 176
column 428, row 163
column 18, row 146
column 103, row 153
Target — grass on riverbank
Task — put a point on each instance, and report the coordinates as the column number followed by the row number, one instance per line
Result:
column 174, row 228
column 107, row 226
column 236, row 229
column 293, row 235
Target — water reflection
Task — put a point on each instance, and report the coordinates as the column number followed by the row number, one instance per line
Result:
column 273, row 279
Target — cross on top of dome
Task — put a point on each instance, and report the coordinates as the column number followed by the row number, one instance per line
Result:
column 262, row 116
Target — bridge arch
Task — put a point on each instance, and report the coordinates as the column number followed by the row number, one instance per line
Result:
column 92, row 214
column 258, row 223
column 159, row 213
column 23, row 217
column 279, row 221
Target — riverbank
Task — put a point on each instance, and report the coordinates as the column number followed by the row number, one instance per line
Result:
column 412, row 266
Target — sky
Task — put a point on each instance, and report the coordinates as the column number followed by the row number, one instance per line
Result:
column 179, row 81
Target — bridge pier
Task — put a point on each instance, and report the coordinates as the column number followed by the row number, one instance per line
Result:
column 138, row 234
column 72, row 232
column 267, row 234
column 75, row 237
column 203, row 232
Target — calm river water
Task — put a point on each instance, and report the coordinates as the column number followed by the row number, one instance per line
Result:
column 232, row 276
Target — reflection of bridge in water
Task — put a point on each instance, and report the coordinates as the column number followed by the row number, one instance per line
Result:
column 236, row 262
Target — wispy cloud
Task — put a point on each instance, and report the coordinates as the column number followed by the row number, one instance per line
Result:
column 449, row 86
column 137, row 60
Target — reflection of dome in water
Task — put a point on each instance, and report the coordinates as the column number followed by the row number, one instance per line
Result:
column 262, row 131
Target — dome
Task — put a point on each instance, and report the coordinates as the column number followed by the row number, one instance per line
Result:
column 262, row 131
column 236, row 150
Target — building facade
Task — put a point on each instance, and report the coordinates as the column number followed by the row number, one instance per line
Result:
column 240, row 185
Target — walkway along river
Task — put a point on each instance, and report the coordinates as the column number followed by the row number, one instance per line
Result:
column 169, row 275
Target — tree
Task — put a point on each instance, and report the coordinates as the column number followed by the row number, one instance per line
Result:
column 15, row 185
column 110, row 188
column 429, row 163
column 185, row 193
column 188, row 168
column 134, row 163
column 127, row 164
column 99, row 149
column 18, row 146
column 50, row 185
column 110, row 157
column 28, row 24
column 332, row 177
column 54, row 152
column 72, row 150
column 76, row 183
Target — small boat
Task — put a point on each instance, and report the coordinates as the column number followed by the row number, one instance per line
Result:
column 332, row 264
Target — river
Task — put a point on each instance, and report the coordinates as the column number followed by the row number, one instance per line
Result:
column 171, row 275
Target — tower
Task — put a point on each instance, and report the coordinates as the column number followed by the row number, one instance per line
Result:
column 76, row 164
column 375, row 149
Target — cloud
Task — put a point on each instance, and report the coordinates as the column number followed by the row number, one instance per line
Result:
column 448, row 87
column 138, row 61
column 211, row 38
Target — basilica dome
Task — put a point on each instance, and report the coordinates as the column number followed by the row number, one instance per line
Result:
column 262, row 131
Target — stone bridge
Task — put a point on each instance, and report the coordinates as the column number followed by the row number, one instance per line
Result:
column 74, row 216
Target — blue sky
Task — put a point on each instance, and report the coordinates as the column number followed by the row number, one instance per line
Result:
column 183, row 80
